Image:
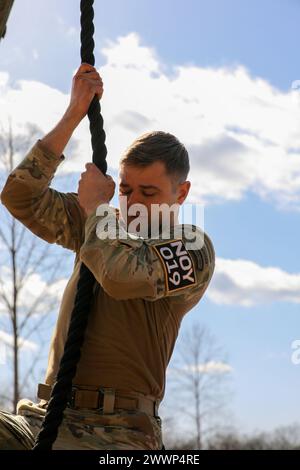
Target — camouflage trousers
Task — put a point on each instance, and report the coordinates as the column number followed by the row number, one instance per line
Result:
column 82, row 429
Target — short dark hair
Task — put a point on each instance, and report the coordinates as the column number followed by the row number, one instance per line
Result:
column 159, row 146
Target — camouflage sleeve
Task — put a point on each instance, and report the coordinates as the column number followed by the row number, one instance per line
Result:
column 54, row 216
column 129, row 268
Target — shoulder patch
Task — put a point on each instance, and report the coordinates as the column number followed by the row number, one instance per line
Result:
column 178, row 265
column 198, row 256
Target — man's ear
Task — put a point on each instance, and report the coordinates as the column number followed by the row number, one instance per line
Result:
column 183, row 191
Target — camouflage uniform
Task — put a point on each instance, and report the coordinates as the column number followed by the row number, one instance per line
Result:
column 82, row 430
column 148, row 285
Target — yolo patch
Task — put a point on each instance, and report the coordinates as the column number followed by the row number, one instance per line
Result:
column 178, row 265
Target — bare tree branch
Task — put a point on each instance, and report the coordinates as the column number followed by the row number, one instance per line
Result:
column 197, row 380
column 24, row 255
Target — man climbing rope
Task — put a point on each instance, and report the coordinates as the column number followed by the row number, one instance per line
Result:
column 148, row 283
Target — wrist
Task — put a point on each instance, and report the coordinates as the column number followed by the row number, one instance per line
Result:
column 93, row 209
column 72, row 117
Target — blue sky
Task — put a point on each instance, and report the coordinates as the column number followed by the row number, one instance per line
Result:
column 254, row 219
column 261, row 35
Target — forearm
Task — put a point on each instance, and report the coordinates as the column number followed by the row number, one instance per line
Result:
column 54, row 216
column 56, row 140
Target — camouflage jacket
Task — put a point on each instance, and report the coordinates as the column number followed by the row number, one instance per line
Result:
column 144, row 287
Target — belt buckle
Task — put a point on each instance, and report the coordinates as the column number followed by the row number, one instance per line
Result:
column 72, row 397
column 108, row 403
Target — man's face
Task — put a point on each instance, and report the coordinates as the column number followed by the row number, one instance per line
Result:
column 149, row 185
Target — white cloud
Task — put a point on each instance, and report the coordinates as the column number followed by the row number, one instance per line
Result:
column 30, row 101
column 68, row 30
column 242, row 133
column 245, row 283
column 7, row 340
column 127, row 53
column 35, row 292
column 211, row 367
column 34, row 286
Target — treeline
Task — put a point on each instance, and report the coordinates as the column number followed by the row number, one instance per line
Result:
column 283, row 438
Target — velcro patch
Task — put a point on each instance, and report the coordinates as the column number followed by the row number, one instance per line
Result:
column 178, row 265
column 198, row 257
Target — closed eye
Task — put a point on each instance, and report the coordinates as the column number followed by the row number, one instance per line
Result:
column 126, row 193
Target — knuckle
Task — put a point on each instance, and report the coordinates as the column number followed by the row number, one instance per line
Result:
column 86, row 65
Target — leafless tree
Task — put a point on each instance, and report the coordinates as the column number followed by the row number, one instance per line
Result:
column 282, row 438
column 31, row 282
column 198, row 383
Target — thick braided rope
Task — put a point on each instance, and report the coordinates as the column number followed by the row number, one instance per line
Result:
column 79, row 319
